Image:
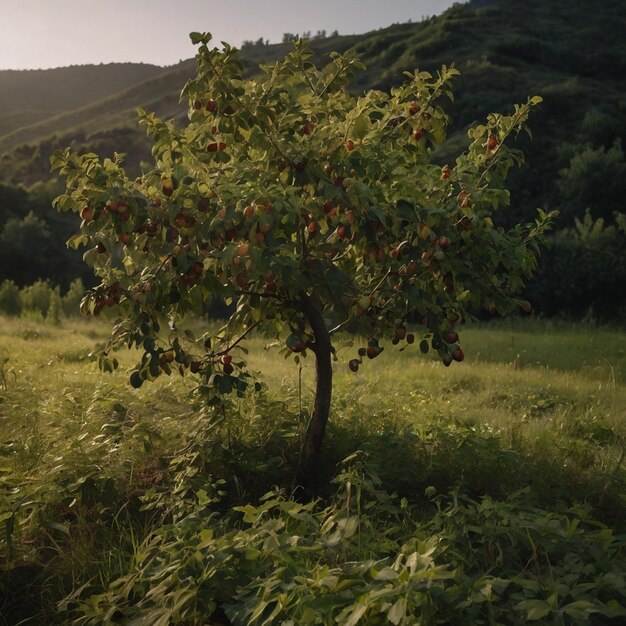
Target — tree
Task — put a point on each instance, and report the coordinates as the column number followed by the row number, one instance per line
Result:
column 596, row 180
column 26, row 249
column 313, row 211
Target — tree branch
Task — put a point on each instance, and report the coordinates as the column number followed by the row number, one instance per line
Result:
column 238, row 340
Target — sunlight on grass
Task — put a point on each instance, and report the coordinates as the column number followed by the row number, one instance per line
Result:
column 82, row 453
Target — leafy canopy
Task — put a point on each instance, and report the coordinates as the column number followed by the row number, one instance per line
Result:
column 285, row 189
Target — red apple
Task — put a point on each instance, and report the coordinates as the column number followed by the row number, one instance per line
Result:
column 458, row 355
column 451, row 336
column 87, row 213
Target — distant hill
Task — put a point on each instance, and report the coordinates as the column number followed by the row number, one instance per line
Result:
column 572, row 53
column 28, row 97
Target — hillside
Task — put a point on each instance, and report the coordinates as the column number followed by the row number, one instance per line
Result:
column 570, row 53
column 504, row 50
column 28, row 97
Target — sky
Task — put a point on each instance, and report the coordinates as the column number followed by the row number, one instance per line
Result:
column 39, row 34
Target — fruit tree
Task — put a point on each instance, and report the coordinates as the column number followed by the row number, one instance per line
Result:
column 311, row 211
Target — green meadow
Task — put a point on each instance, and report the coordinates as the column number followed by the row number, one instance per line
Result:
column 488, row 492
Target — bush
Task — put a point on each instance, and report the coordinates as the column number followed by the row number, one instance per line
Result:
column 584, row 272
column 10, row 298
column 36, row 297
column 71, row 300
column 53, row 314
column 43, row 299
column 595, row 180
column 365, row 557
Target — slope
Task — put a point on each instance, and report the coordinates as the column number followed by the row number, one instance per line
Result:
column 571, row 54
column 30, row 96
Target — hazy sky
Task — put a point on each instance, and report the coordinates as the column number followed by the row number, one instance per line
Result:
column 54, row 33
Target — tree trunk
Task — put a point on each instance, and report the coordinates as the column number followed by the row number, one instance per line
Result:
column 314, row 436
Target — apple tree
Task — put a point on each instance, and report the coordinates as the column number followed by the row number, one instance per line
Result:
column 311, row 211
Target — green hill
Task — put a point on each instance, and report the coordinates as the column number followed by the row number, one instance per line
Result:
column 28, row 97
column 574, row 57
column 571, row 53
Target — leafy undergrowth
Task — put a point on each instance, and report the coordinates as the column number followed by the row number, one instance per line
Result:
column 485, row 494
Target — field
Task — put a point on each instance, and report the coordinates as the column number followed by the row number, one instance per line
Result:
column 490, row 492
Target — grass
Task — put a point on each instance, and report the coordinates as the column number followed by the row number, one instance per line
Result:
column 93, row 472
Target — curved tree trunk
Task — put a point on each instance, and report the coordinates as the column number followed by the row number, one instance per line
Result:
column 314, row 435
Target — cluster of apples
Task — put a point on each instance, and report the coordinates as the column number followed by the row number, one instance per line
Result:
column 445, row 341
column 371, row 352
column 418, row 129
column 400, row 334
column 118, row 208
column 106, row 296
column 241, row 229
column 212, row 107
column 159, row 359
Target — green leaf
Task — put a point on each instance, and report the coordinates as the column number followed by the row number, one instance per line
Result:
column 579, row 608
column 397, row 611
column 535, row 609
column 77, row 240
column 361, row 126
column 387, row 573
column 62, row 528
column 197, row 38
column 129, row 265
column 355, row 616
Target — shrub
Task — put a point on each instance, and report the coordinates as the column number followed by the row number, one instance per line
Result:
column 595, row 180
column 10, row 298
column 584, row 272
column 71, row 300
column 55, row 308
column 36, row 297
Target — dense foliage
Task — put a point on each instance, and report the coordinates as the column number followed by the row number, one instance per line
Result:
column 591, row 255
column 31, row 236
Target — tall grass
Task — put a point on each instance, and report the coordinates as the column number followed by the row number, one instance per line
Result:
column 93, row 472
